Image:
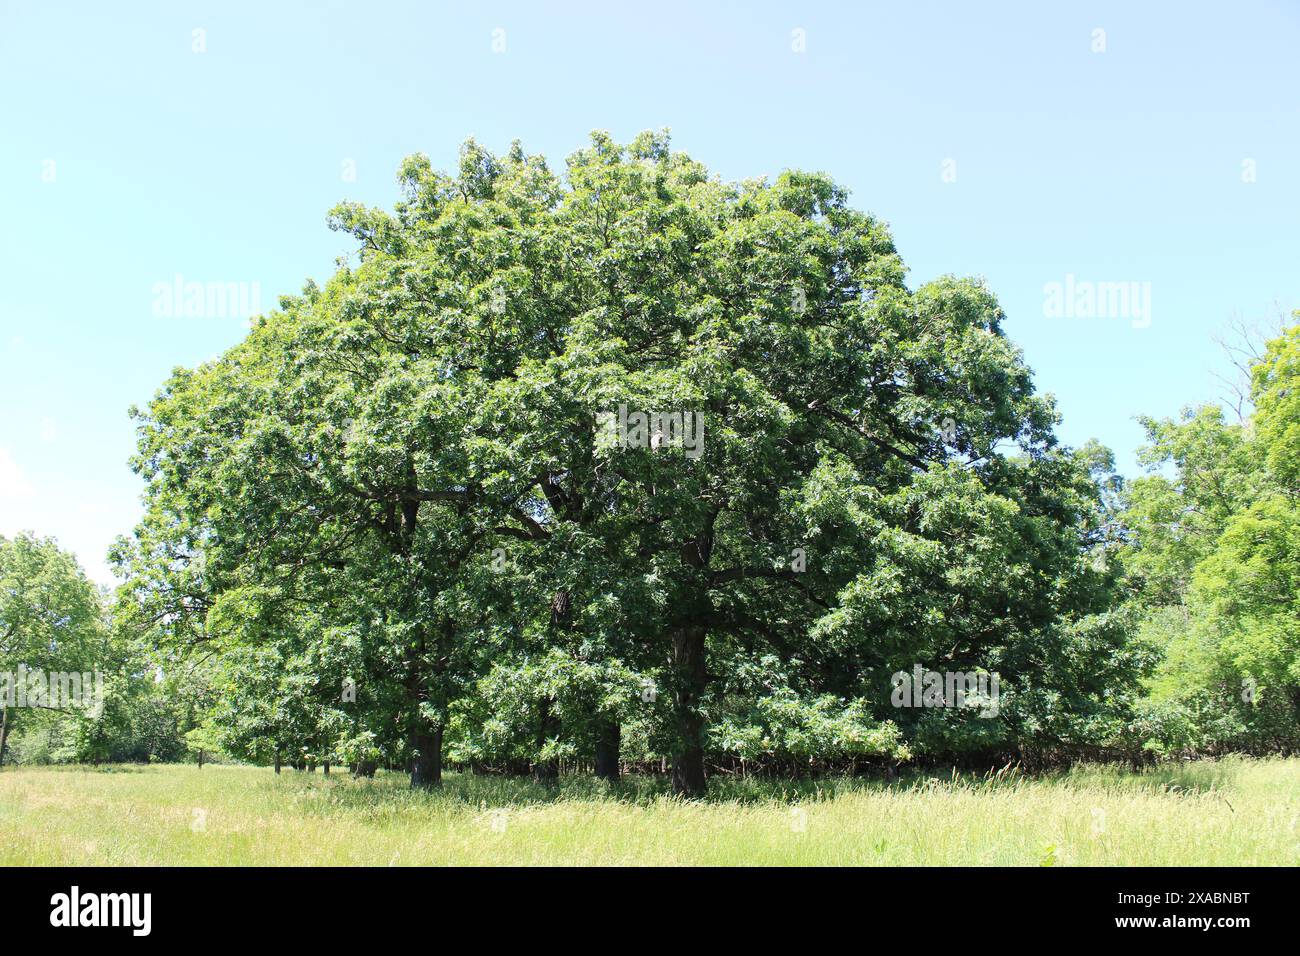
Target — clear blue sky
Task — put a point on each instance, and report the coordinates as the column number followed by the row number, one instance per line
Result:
column 1123, row 165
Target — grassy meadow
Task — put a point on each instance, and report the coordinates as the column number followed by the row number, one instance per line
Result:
column 1232, row 812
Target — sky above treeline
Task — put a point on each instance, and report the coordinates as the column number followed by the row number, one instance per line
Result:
column 1123, row 175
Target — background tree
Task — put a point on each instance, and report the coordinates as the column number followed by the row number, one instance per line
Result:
column 1213, row 561
column 50, row 618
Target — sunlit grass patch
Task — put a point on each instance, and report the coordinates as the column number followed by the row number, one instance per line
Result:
column 1229, row 812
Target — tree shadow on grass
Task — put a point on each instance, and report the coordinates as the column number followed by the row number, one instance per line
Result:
column 391, row 791
column 1174, row 777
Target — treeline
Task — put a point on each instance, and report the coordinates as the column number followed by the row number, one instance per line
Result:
column 73, row 689
column 1213, row 567
column 634, row 468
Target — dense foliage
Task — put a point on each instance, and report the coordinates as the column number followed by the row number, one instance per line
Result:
column 632, row 467
column 1215, row 566
column 71, row 689
column 403, row 482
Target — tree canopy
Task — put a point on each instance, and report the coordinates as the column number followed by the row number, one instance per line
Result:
column 1214, row 561
column 59, row 667
column 627, row 460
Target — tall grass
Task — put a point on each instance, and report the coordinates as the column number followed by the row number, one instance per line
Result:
column 1229, row 812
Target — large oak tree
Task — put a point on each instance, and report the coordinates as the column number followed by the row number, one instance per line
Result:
column 412, row 455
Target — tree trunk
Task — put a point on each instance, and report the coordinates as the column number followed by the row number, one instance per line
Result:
column 4, row 731
column 548, row 725
column 277, row 760
column 689, row 678
column 426, row 756
column 200, row 758
column 327, row 768
column 608, row 734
